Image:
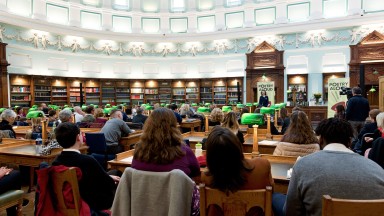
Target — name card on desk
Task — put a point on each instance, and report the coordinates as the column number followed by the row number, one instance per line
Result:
column 268, row 142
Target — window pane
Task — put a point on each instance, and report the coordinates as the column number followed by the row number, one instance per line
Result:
column 206, row 24
column 20, row 7
column 334, row 8
column 205, row 4
column 298, row 12
column 265, row 16
column 234, row 20
column 178, row 6
column 90, row 20
column 122, row 24
column 373, row 5
column 150, row 25
column 57, row 14
column 96, row 3
column 150, row 5
column 231, row 3
column 179, row 25
column 121, row 4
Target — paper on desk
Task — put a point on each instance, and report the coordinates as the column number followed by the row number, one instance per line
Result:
column 128, row 159
column 268, row 142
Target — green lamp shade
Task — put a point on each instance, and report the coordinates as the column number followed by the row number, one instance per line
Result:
column 35, row 114
column 107, row 105
column 2, row 109
column 203, row 110
column 280, row 105
column 96, row 106
column 207, row 104
column 248, row 104
column 267, row 110
column 114, row 107
column 167, row 105
column 240, row 106
column 255, row 104
column 66, row 105
column 226, row 108
column 148, row 107
column 162, row 104
column 84, row 107
column 252, row 119
column 70, row 108
column 32, row 109
column 107, row 110
column 194, row 104
column 35, row 106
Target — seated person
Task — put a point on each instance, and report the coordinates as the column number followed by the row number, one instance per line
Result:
column 377, row 152
column 285, row 120
column 376, row 121
column 125, row 116
column 300, row 139
column 52, row 118
column 176, row 113
column 230, row 122
column 97, row 188
column 43, row 107
column 10, row 180
column 8, row 116
column 229, row 171
column 65, row 115
column 99, row 116
column 89, row 115
column 139, row 117
column 217, row 117
column 274, row 130
column 79, row 114
column 113, row 130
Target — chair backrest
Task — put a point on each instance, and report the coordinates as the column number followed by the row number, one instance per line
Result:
column 60, row 179
column 96, row 125
column 96, row 143
column 135, row 125
column 237, row 203
column 332, row 206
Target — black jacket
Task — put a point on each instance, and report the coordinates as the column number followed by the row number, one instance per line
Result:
column 357, row 108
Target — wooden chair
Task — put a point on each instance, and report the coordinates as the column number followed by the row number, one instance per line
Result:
column 12, row 198
column 237, row 203
column 340, row 207
column 59, row 178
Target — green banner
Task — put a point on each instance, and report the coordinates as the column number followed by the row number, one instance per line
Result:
column 334, row 97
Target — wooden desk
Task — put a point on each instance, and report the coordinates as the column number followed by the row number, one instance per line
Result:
column 132, row 138
column 21, row 131
column 23, row 152
column 279, row 167
column 194, row 138
column 191, row 123
column 263, row 148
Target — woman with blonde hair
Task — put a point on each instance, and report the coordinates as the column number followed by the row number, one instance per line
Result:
column 230, row 122
column 299, row 139
column 217, row 117
column 98, row 113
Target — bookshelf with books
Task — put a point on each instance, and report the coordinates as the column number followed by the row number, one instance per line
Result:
column 137, row 92
column 74, row 92
column 165, row 91
column 108, row 92
column 59, row 92
column 151, row 92
column 41, row 90
column 92, row 92
column 232, row 93
column 178, row 91
column 220, row 92
column 192, row 91
column 206, row 91
column 123, row 92
column 20, row 90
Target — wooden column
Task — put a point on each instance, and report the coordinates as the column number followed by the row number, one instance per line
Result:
column 4, row 85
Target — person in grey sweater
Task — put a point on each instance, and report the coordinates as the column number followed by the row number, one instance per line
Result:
column 113, row 130
column 334, row 171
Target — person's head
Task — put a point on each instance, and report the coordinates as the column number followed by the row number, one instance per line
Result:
column 184, row 107
column 334, row 130
column 161, row 140
column 173, row 107
column 139, row 111
column 115, row 113
column 283, row 113
column 340, row 108
column 19, row 111
column 244, row 110
column 77, row 109
column 157, row 105
column 36, row 121
column 217, row 115
column 356, row 91
column 65, row 115
column 128, row 111
column 263, row 93
column 230, row 122
column 373, row 113
column 98, row 113
column 52, row 113
column 90, row 109
column 225, row 160
column 68, row 135
column 299, row 130
column 43, row 105
column 8, row 115
column 380, row 120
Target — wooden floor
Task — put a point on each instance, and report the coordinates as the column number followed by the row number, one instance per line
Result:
column 29, row 209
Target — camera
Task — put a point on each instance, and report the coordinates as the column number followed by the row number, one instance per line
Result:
column 346, row 91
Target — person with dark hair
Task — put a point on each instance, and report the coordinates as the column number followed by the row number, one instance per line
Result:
column 357, row 110
column 125, row 116
column 229, row 171
column 10, row 180
column 44, row 108
column 161, row 149
column 299, row 139
column 230, row 122
column 177, row 115
column 335, row 170
column 340, row 111
column 139, row 117
column 113, row 130
column 263, row 100
column 97, row 188
column 89, row 115
column 371, row 127
column 285, row 120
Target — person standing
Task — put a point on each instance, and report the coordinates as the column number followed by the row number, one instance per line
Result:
column 357, row 110
column 263, row 100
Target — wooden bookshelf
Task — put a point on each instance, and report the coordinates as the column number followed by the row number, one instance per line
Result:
column 297, row 88
column 74, row 91
column 220, row 92
column 20, row 87
column 137, row 92
column 123, row 92
column 192, row 91
column 232, row 94
column 151, row 92
column 178, row 91
column 41, row 90
column 108, row 92
column 92, row 92
column 165, row 91
column 59, row 92
column 206, row 93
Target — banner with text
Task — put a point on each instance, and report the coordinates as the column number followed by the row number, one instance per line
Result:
column 269, row 88
column 334, row 97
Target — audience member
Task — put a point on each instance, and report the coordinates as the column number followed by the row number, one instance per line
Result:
column 299, row 139
column 65, row 115
column 7, row 118
column 10, row 180
column 370, row 127
column 377, row 152
column 263, row 100
column 217, row 117
column 186, row 111
column 340, row 112
column 335, row 171
column 139, row 117
column 97, row 188
column 114, row 129
column 89, row 115
column 177, row 115
column 229, row 171
column 20, row 112
column 99, row 116
column 285, row 120
column 125, row 116
column 161, row 149
column 357, row 110
column 79, row 114
column 230, row 122
column 36, row 125
column 52, row 118
column 44, row 108
column 242, row 111
column 274, row 130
